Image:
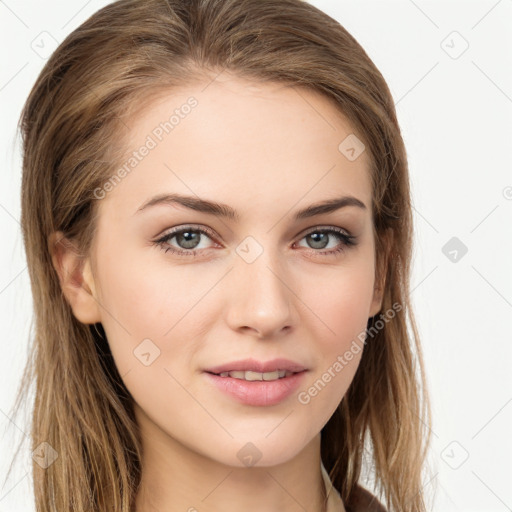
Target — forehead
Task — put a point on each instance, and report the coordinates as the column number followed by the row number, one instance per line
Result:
column 242, row 142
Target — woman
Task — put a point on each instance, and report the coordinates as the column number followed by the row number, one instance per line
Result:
column 217, row 221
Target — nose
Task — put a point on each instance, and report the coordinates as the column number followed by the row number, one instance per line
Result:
column 261, row 300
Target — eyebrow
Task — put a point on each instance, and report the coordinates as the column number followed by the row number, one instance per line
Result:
column 226, row 211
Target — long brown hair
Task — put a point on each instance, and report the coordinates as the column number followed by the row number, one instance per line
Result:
column 72, row 128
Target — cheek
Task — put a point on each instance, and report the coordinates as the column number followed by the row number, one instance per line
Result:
column 341, row 301
column 152, row 309
column 341, row 309
column 135, row 306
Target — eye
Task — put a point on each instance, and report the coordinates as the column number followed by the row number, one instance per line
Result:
column 322, row 238
column 188, row 239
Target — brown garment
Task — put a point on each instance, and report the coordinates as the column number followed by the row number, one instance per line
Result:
column 364, row 501
column 361, row 500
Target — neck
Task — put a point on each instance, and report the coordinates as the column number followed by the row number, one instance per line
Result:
column 175, row 478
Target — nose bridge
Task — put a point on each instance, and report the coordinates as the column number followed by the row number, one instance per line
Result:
column 260, row 297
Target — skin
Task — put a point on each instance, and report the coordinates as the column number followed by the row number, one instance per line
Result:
column 267, row 151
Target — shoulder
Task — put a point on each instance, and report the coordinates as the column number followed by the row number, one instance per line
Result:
column 362, row 500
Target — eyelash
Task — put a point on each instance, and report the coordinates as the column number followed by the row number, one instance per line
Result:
column 346, row 240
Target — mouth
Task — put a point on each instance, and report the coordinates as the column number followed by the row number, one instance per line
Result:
column 255, row 376
column 257, row 388
column 253, row 370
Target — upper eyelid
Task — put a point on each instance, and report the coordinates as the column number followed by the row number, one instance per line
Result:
column 174, row 231
column 323, row 227
column 209, row 231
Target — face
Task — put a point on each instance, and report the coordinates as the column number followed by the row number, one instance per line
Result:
column 182, row 289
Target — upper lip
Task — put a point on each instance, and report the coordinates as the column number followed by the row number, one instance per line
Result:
column 258, row 366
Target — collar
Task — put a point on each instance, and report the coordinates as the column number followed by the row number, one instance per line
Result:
column 334, row 502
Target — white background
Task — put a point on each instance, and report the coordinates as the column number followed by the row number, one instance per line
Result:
column 455, row 115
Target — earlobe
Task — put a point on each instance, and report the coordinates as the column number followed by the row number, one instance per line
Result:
column 75, row 277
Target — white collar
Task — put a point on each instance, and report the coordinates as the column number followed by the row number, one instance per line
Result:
column 334, row 502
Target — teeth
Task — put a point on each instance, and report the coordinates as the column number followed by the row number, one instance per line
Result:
column 248, row 375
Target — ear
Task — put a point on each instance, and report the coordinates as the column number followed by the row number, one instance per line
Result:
column 380, row 273
column 75, row 277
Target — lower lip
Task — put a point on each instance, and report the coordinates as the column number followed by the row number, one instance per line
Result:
column 258, row 392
